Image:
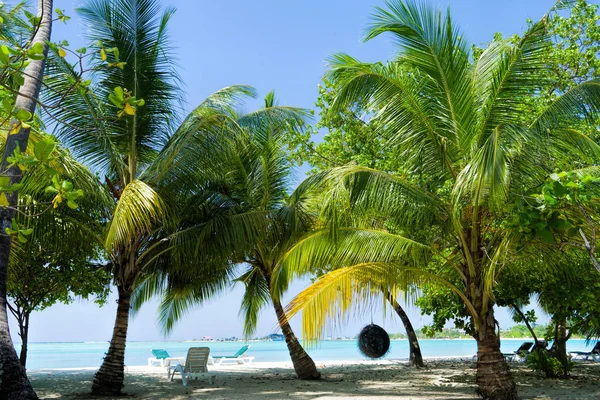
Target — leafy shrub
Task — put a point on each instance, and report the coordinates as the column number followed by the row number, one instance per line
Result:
column 539, row 360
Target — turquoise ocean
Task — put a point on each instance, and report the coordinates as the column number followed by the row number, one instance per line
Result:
column 82, row 355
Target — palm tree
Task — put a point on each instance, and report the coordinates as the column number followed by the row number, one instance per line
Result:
column 13, row 379
column 469, row 149
column 124, row 125
column 250, row 223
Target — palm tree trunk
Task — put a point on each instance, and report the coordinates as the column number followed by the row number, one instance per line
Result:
column 303, row 365
column 13, row 379
column 415, row 356
column 110, row 376
column 494, row 380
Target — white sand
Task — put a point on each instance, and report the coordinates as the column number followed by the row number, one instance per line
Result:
column 442, row 379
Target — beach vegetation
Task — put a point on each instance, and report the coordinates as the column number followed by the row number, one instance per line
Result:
column 59, row 259
column 21, row 74
column 248, row 222
column 350, row 137
column 126, row 125
column 459, row 123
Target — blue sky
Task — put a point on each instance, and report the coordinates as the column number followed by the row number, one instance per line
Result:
column 269, row 44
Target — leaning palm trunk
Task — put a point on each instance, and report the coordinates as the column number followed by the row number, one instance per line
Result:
column 415, row 356
column 13, row 379
column 110, row 376
column 303, row 365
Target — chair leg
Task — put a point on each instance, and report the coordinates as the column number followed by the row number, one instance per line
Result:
column 183, row 379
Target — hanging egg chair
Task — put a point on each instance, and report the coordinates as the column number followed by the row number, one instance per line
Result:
column 373, row 341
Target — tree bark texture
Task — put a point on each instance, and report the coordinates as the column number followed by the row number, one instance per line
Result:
column 493, row 379
column 303, row 365
column 415, row 356
column 559, row 347
column 109, row 378
column 13, row 379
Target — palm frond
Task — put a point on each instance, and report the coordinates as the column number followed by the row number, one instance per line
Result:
column 334, row 294
column 429, row 42
column 574, row 105
column 349, row 246
column 367, row 190
column 138, row 29
column 486, row 179
column 504, row 74
column 256, row 296
column 138, row 212
column 409, row 118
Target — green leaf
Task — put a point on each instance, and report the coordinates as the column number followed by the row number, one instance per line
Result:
column 113, row 99
column 44, row 149
column 4, row 55
column 19, row 79
column 37, row 48
column 549, row 199
column 7, row 105
column 11, row 188
column 119, row 93
column 559, row 189
column 51, row 190
column 546, row 235
column 67, row 186
column 22, row 115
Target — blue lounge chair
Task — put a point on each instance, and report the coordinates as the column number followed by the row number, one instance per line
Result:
column 162, row 357
column 237, row 357
column 585, row 355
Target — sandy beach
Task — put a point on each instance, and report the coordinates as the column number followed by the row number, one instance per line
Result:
column 389, row 379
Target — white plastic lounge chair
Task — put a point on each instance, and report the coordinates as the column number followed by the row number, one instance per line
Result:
column 162, row 357
column 195, row 365
column 585, row 355
column 237, row 357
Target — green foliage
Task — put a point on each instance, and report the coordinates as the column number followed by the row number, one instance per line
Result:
column 521, row 331
column 540, row 361
column 245, row 217
column 556, row 211
column 350, row 137
column 468, row 135
column 59, row 259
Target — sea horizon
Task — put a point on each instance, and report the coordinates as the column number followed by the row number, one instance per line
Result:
column 53, row 355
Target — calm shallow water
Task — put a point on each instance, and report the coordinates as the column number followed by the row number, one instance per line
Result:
column 79, row 355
